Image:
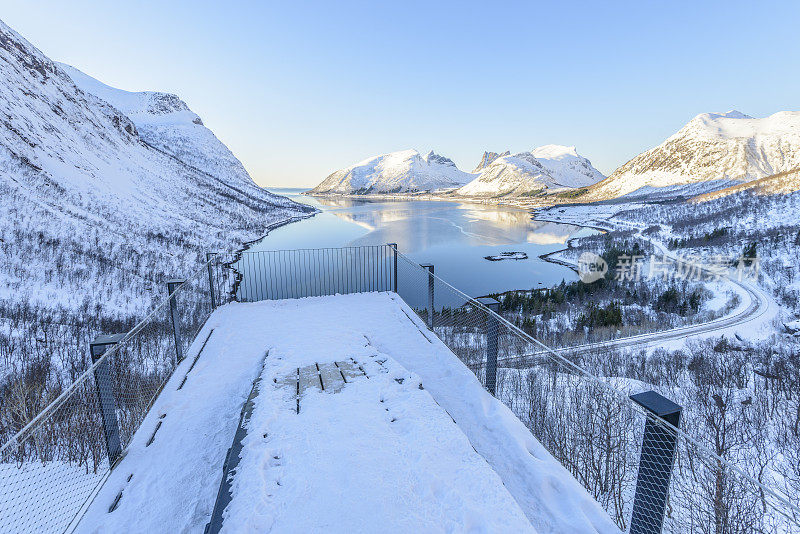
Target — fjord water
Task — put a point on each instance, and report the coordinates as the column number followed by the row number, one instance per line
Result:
column 453, row 236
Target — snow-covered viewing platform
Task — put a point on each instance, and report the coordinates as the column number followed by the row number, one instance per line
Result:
column 361, row 420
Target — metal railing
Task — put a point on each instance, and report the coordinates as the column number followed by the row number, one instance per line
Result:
column 52, row 463
column 282, row 274
column 621, row 441
column 627, row 449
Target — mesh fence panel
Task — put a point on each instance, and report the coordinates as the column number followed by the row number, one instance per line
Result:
column 591, row 426
column 59, row 458
column 282, row 274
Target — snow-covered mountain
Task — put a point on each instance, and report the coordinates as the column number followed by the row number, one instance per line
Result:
column 566, row 166
column 165, row 122
column 544, row 169
column 406, row 171
column 83, row 188
column 712, row 146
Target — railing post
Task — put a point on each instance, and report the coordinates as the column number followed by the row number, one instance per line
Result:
column 394, row 278
column 492, row 332
column 655, row 463
column 429, row 268
column 209, row 256
column 172, row 285
column 105, row 394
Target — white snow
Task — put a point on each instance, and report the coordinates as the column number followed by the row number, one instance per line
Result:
column 549, row 167
column 164, row 121
column 712, row 147
column 395, row 172
column 546, row 167
column 343, row 464
column 377, row 455
column 734, row 124
column 569, row 169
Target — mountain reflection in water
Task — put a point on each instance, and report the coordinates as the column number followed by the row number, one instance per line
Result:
column 454, row 236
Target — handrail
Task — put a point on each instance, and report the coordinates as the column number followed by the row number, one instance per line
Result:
column 784, row 500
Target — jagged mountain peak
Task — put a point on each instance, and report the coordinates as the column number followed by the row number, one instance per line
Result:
column 134, row 104
column 405, row 171
column 732, row 114
column 546, row 168
column 488, row 158
column 549, row 167
column 433, row 157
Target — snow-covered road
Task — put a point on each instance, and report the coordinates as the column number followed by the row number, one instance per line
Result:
column 751, row 319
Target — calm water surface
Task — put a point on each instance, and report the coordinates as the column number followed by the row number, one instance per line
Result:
column 453, row 236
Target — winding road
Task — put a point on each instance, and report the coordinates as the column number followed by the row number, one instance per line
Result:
column 752, row 311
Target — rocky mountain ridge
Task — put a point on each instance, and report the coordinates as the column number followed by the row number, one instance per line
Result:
column 712, row 147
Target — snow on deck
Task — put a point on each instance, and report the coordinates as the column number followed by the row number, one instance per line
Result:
column 408, row 440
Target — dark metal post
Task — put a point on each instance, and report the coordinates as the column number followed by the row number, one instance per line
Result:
column 492, row 333
column 655, row 463
column 172, row 285
column 105, row 394
column 429, row 268
column 394, row 246
column 209, row 256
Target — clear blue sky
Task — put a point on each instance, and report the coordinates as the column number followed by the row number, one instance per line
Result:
column 299, row 89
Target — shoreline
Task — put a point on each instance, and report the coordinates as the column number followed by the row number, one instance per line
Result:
column 514, row 202
column 547, row 257
column 274, row 226
column 237, row 255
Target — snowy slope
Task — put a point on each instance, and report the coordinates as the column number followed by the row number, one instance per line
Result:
column 549, row 167
column 781, row 183
column 568, row 168
column 406, row 171
column 81, row 190
column 712, row 146
column 519, row 174
column 164, row 121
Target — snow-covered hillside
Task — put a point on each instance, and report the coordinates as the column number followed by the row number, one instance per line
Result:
column 544, row 169
column 784, row 182
column 406, row 171
column 87, row 202
column 165, row 122
column 712, row 146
